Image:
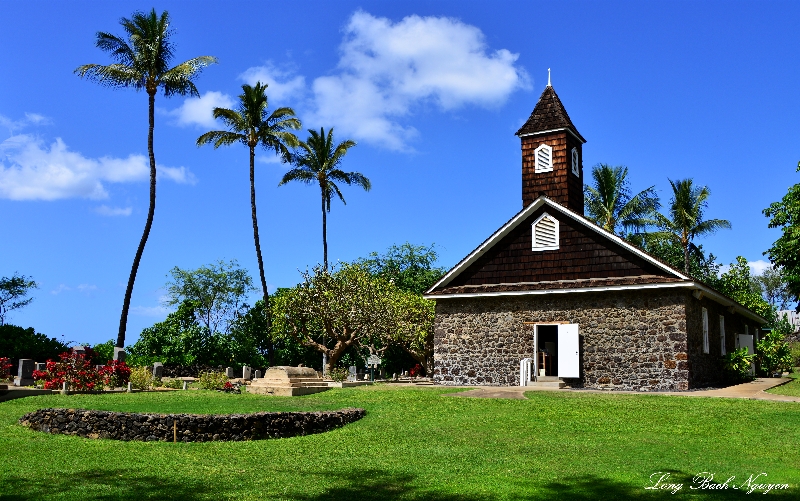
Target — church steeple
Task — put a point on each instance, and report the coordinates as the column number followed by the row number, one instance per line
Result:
column 552, row 154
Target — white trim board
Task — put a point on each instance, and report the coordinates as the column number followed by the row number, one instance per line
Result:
column 576, row 136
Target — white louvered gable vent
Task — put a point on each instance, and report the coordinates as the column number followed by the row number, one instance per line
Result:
column 544, row 159
column 545, row 233
column 576, row 166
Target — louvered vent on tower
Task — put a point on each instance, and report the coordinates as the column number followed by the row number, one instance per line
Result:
column 544, row 159
column 545, row 233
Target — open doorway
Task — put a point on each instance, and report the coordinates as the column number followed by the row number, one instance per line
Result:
column 546, row 344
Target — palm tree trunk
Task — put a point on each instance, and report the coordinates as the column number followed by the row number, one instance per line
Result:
column 324, row 232
column 686, row 258
column 258, row 245
column 123, row 321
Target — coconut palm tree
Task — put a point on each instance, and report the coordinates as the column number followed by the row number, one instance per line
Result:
column 251, row 124
column 610, row 205
column 685, row 221
column 143, row 62
column 318, row 161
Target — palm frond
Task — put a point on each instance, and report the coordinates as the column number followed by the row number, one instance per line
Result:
column 298, row 174
column 221, row 138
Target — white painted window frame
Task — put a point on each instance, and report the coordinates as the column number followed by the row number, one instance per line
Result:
column 576, row 164
column 722, row 334
column 706, row 348
column 538, row 168
column 536, row 248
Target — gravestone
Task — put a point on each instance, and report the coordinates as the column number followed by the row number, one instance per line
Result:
column 258, row 375
column 351, row 373
column 40, row 366
column 24, row 373
column 247, row 372
column 229, row 372
column 158, row 369
column 79, row 350
column 119, row 354
column 185, row 385
column 99, row 367
column 288, row 381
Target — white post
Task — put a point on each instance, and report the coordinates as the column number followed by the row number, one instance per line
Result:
column 324, row 363
column 130, row 387
column 185, row 385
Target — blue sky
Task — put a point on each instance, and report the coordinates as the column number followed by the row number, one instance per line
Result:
column 433, row 93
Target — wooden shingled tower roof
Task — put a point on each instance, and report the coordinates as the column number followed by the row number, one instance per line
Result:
column 548, row 115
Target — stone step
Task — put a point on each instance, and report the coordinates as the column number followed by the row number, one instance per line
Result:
column 548, row 384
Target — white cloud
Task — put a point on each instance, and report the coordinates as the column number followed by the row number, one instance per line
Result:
column 105, row 210
column 30, row 119
column 282, row 84
column 758, row 267
column 61, row 288
column 31, row 170
column 151, row 311
column 85, row 288
column 388, row 69
column 199, row 110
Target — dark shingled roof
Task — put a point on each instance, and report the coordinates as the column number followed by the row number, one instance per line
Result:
column 560, row 284
column 548, row 114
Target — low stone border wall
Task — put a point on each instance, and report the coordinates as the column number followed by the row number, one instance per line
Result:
column 186, row 427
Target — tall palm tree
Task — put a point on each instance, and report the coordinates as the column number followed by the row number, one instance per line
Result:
column 318, row 162
column 142, row 62
column 251, row 125
column 685, row 221
column 610, row 205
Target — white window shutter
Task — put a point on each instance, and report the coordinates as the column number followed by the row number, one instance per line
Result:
column 545, row 233
column 722, row 334
column 544, row 159
column 706, row 348
column 576, row 166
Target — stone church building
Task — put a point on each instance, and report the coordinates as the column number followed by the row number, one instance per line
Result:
column 551, row 298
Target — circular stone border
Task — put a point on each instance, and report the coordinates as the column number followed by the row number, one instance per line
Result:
column 186, row 427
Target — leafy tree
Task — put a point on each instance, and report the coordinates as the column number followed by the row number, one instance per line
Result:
column 16, row 342
column 773, row 286
column 685, row 221
column 701, row 267
column 610, row 205
column 216, row 293
column 252, row 125
column 773, row 353
column 334, row 310
column 410, row 267
column 179, row 340
column 12, row 293
column 737, row 284
column 250, row 339
column 318, row 162
column 142, row 62
column 785, row 252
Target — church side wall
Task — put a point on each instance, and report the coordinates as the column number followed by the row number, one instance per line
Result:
column 630, row 340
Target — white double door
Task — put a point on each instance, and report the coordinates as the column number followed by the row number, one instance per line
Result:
column 568, row 347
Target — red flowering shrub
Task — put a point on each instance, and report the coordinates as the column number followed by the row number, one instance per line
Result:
column 5, row 365
column 115, row 374
column 79, row 373
column 415, row 371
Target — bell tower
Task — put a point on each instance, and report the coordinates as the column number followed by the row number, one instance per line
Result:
column 552, row 154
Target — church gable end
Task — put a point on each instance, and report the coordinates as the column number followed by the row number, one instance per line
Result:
column 578, row 256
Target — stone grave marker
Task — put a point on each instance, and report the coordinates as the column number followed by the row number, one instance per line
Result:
column 79, row 350
column 247, row 372
column 24, row 375
column 258, row 375
column 40, row 366
column 158, row 369
column 351, row 373
column 119, row 354
column 229, row 372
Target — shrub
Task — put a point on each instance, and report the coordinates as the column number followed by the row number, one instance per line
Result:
column 141, row 378
column 212, row 380
column 338, row 374
column 5, row 369
column 16, row 342
column 175, row 384
column 74, row 369
column 794, row 350
column 115, row 374
column 737, row 365
column 773, row 353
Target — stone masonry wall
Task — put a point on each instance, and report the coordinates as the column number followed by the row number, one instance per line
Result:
column 630, row 340
column 190, row 427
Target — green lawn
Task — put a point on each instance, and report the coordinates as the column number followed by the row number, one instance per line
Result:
column 416, row 444
column 791, row 388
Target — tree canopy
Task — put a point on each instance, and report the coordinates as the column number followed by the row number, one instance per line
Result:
column 610, row 205
column 785, row 252
column 409, row 267
column 13, row 292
